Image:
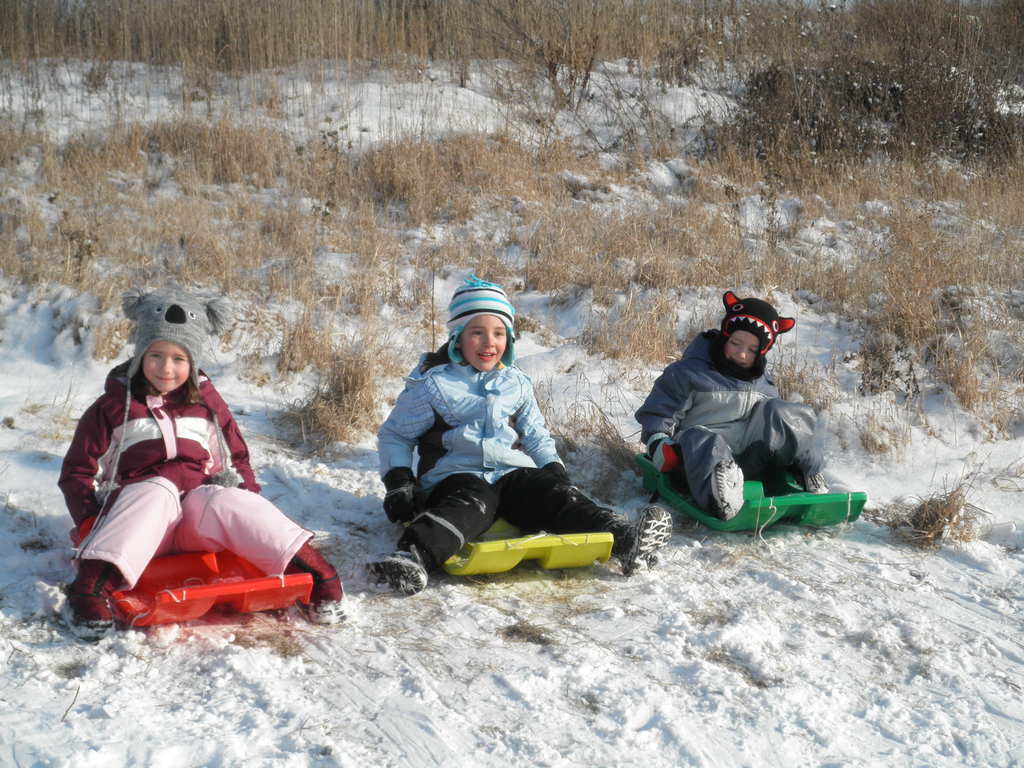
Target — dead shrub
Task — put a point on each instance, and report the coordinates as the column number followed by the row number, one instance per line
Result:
column 642, row 327
column 80, row 239
column 880, row 437
column 448, row 178
column 908, row 79
column 557, row 40
column 886, row 365
column 940, row 517
column 586, row 430
column 345, row 402
column 110, row 337
column 304, row 344
column 804, row 381
column 222, row 151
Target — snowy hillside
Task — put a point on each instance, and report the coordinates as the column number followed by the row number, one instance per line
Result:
column 846, row 646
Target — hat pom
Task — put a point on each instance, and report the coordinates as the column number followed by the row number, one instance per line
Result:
column 479, row 297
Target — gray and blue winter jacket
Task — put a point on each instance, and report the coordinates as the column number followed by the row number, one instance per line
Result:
column 462, row 420
column 692, row 392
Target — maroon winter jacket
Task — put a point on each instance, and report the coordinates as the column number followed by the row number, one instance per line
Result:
column 163, row 437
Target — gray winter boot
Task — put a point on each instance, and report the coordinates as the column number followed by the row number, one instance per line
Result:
column 727, row 485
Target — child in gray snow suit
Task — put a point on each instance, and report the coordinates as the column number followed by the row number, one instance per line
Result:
column 716, row 417
column 484, row 452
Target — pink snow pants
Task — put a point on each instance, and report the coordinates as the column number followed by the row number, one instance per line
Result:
column 150, row 518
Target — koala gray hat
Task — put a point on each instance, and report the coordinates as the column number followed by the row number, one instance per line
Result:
column 176, row 316
column 185, row 319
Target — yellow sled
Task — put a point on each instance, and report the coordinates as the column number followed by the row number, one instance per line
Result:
column 503, row 547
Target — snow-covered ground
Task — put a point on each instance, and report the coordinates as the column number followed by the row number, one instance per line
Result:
column 843, row 647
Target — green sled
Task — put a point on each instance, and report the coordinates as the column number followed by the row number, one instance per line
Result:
column 775, row 498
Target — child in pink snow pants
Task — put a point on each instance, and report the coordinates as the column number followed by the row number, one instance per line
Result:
column 159, row 462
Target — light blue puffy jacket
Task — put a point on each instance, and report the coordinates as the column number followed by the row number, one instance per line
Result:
column 691, row 392
column 489, row 423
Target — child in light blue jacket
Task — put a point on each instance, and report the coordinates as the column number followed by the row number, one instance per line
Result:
column 484, row 452
column 716, row 417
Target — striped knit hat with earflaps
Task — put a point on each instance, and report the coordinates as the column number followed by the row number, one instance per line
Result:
column 478, row 297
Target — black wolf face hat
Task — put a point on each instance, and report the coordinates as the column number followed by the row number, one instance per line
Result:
column 755, row 316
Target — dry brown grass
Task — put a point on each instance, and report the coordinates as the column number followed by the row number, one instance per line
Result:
column 559, row 39
column 941, row 517
column 303, row 345
column 224, row 151
column 580, row 247
column 640, row 327
column 586, row 429
column 110, row 337
column 447, row 179
column 885, row 434
column 345, row 402
column 239, row 224
column 802, row 380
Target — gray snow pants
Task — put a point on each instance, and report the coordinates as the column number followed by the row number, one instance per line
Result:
column 777, row 434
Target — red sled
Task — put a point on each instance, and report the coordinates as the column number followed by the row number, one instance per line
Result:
column 186, row 586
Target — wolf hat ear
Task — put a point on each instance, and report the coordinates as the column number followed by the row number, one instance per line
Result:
column 785, row 324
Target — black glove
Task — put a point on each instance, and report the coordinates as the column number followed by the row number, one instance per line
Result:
column 400, row 500
column 556, row 469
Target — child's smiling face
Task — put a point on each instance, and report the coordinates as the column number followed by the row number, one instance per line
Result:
column 165, row 366
column 483, row 342
column 742, row 348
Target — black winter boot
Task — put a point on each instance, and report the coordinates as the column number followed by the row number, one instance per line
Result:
column 403, row 571
column 639, row 542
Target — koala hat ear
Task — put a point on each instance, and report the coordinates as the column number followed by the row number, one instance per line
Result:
column 218, row 312
column 130, row 302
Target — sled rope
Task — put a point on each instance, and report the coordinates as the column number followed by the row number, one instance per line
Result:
column 137, row 617
column 758, row 528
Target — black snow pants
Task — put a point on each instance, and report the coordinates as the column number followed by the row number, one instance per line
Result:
column 462, row 506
